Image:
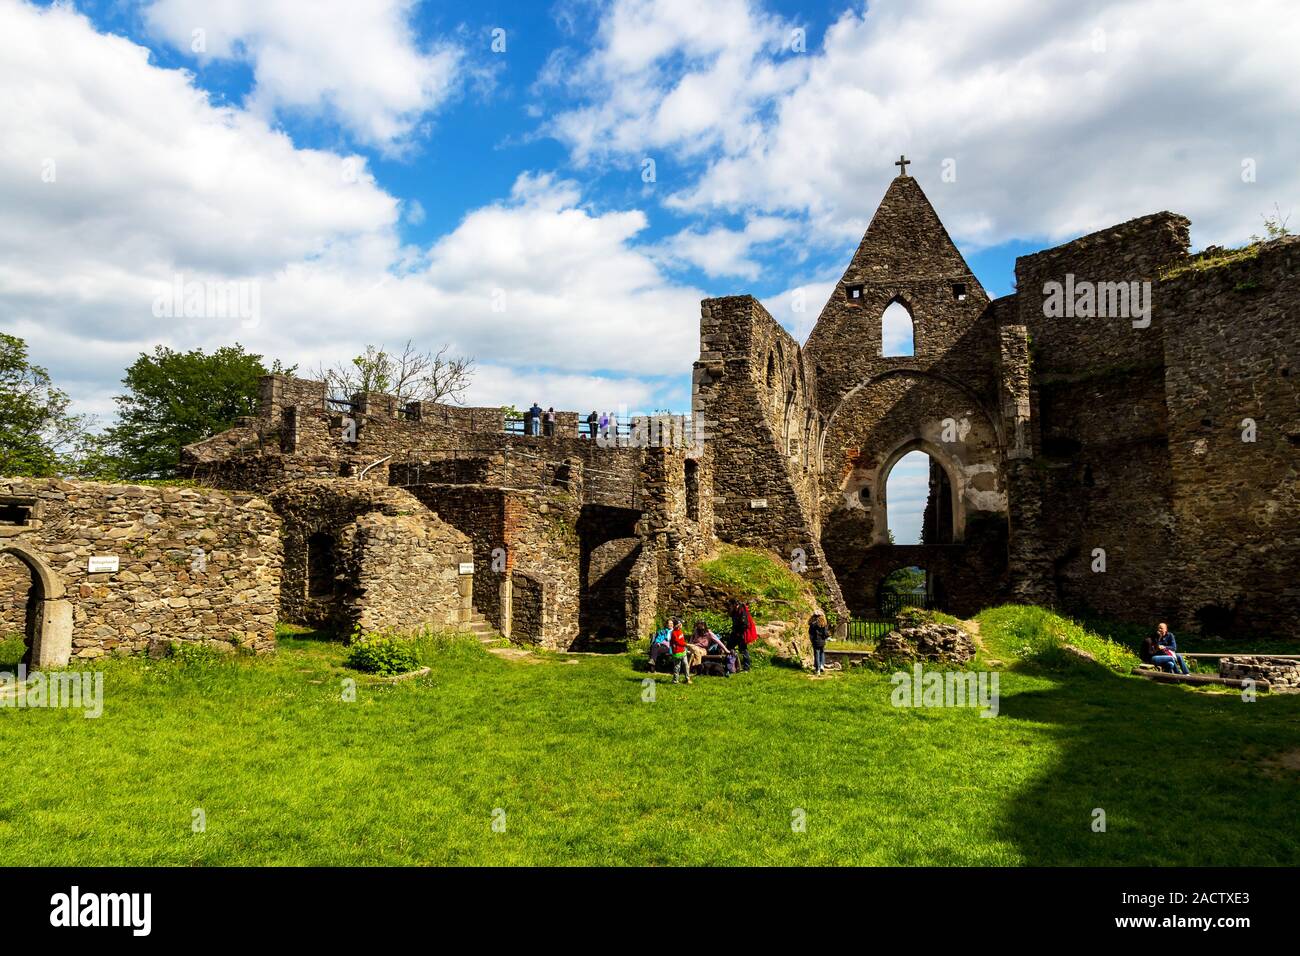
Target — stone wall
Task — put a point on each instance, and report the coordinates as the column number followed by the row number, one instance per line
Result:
column 364, row 555
column 761, row 497
column 193, row 564
column 1232, row 372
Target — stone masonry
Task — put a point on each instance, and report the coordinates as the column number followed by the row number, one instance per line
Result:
column 1141, row 469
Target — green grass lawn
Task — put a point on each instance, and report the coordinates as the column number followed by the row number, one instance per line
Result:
column 587, row 772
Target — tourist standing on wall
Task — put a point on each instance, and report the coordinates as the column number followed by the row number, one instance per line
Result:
column 548, row 421
column 604, row 424
column 593, row 421
column 818, row 635
column 740, row 625
column 534, row 417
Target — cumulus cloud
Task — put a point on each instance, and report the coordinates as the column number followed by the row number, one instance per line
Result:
column 360, row 63
column 119, row 178
column 726, row 252
column 673, row 74
column 1052, row 118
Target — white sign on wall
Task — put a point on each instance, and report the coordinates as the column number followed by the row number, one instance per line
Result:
column 102, row 563
column 467, row 567
column 758, row 503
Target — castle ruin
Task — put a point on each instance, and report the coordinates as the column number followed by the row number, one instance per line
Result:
column 1138, row 468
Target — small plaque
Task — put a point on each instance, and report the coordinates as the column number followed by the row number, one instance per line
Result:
column 466, row 567
column 102, row 563
column 757, row 503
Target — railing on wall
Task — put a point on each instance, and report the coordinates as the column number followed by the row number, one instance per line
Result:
column 888, row 606
column 519, row 426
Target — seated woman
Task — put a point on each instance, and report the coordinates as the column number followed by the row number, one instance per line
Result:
column 705, row 642
column 659, row 644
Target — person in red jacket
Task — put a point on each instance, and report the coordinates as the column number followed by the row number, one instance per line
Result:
column 681, row 661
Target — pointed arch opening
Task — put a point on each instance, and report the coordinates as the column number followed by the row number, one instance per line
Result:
column 897, row 330
column 919, row 504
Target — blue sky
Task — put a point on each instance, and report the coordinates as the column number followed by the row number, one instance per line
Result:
column 476, row 174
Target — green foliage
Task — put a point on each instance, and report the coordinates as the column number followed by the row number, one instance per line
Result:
column 762, row 580
column 432, row 645
column 189, row 663
column 37, row 434
column 12, row 648
column 298, row 775
column 824, row 602
column 905, row 582
column 172, row 400
column 382, row 653
column 1042, row 636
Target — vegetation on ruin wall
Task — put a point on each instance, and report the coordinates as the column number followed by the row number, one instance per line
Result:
column 1040, row 636
column 762, row 580
column 588, row 772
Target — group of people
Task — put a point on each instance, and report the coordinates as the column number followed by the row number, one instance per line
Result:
column 599, row 424
column 1161, row 649
column 540, row 422
column 728, row 654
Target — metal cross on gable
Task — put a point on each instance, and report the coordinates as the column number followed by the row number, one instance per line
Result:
column 903, row 163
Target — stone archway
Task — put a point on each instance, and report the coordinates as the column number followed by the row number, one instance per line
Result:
column 880, row 503
column 49, row 613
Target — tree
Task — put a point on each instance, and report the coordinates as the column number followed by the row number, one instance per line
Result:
column 36, row 430
column 412, row 376
column 173, row 399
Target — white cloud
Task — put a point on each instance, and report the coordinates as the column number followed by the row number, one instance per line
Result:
column 726, row 252
column 358, row 62
column 1061, row 117
column 673, row 74
column 152, row 181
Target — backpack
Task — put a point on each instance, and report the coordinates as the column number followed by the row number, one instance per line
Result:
column 751, row 632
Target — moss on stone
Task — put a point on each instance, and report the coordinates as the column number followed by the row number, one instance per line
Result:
column 758, row 577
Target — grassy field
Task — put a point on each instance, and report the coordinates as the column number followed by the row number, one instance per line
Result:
column 581, row 769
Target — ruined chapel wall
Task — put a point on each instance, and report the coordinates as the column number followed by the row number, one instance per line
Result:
column 1098, row 429
column 1232, row 352
column 760, row 498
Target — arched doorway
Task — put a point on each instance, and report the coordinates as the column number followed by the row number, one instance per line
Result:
column 35, row 596
column 919, row 501
column 925, row 507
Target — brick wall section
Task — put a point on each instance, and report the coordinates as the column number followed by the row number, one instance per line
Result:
column 227, row 598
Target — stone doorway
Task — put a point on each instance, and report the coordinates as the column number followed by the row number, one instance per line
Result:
column 609, row 547
column 33, row 610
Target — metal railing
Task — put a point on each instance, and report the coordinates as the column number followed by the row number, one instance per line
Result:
column 888, row 606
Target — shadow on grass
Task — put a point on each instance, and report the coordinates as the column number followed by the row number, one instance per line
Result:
column 1183, row 777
